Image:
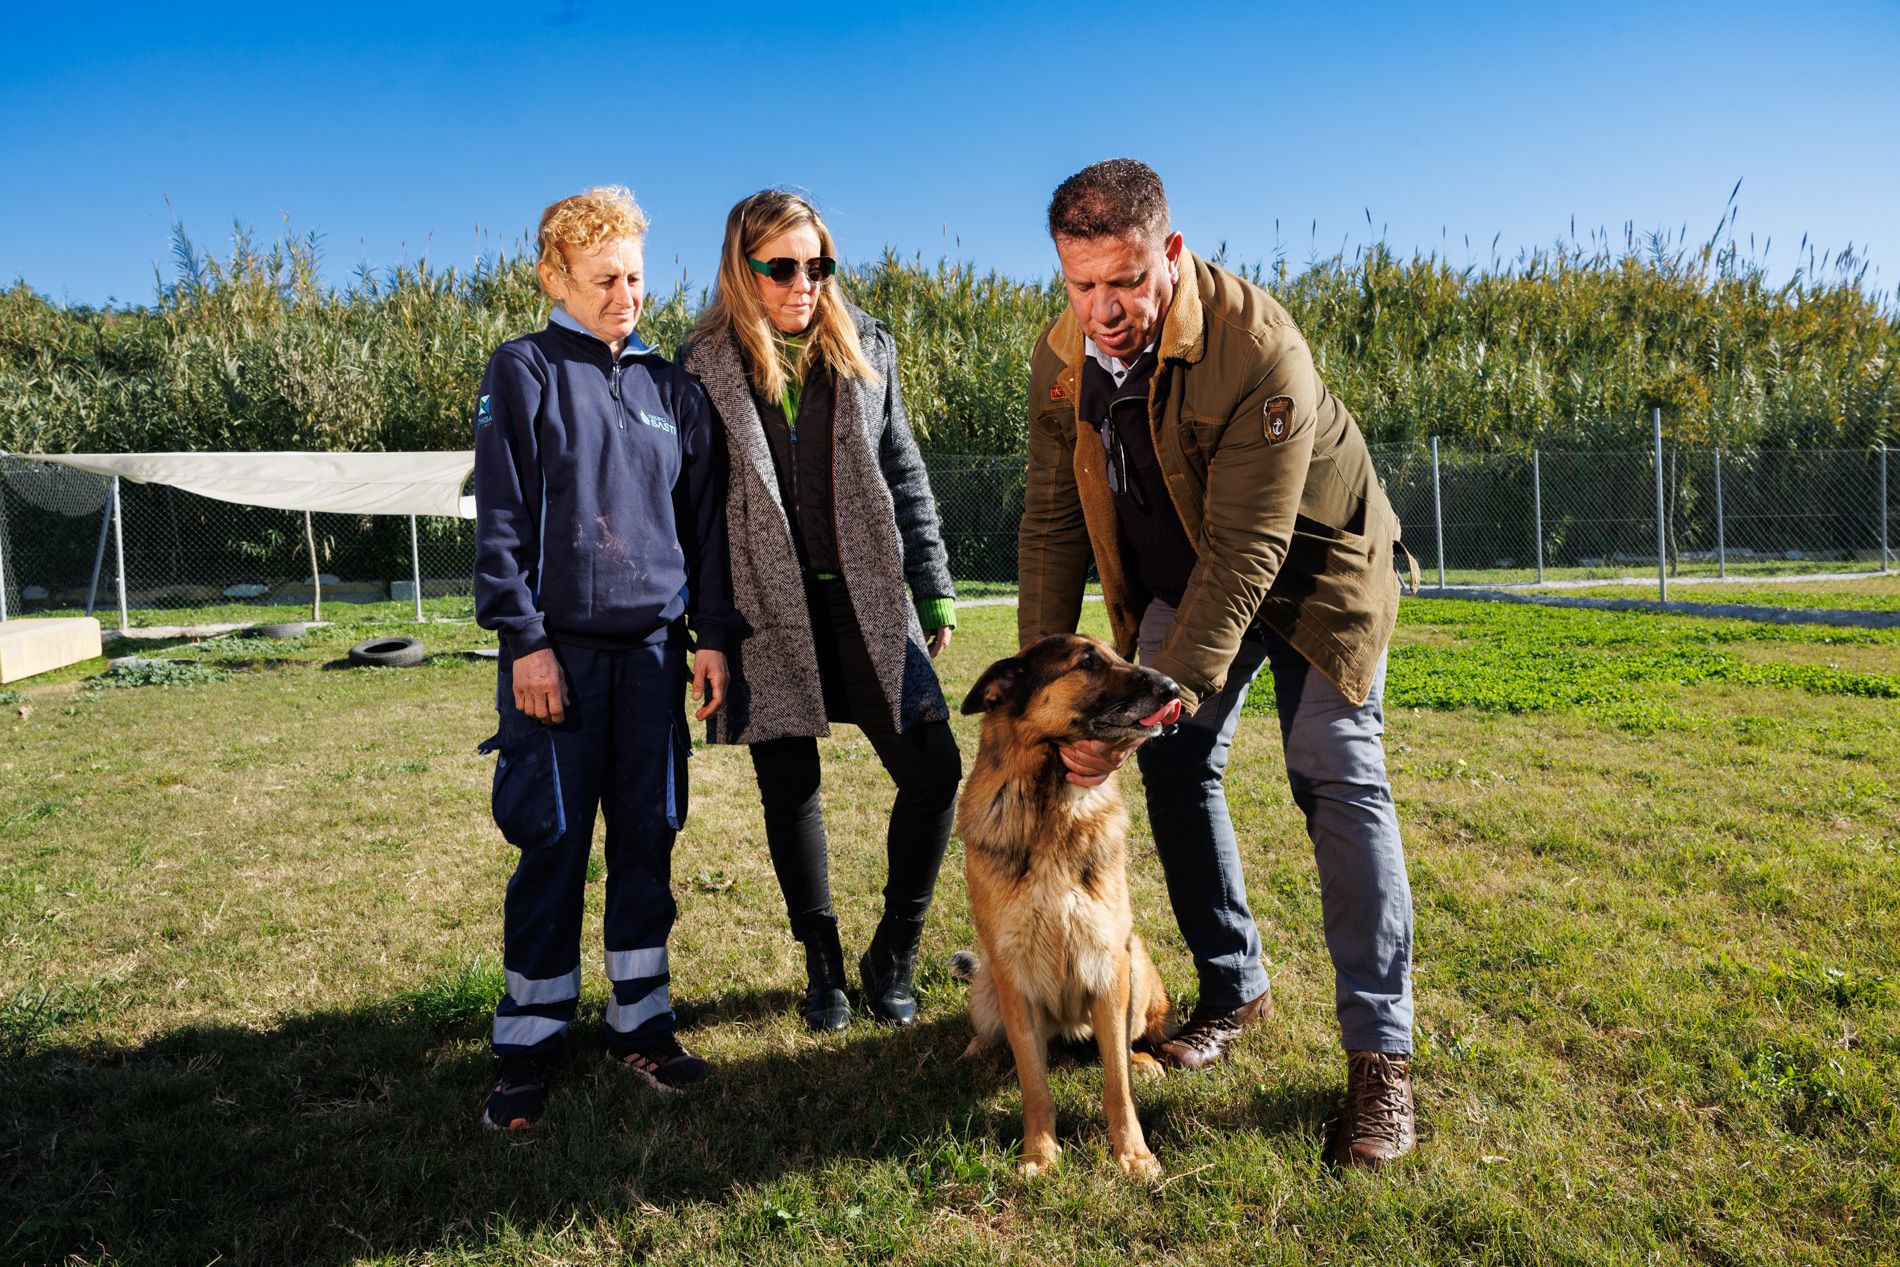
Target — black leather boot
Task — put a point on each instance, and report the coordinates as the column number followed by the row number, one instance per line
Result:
column 887, row 968
column 826, row 1008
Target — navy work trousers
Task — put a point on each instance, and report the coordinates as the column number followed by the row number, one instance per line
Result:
column 623, row 749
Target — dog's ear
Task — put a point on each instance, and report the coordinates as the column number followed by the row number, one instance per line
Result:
column 998, row 683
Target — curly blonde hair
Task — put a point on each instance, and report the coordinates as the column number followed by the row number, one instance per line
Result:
column 583, row 221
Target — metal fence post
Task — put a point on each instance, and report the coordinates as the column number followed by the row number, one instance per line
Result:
column 1721, row 540
column 1438, row 515
column 1537, row 512
column 3, row 559
column 118, row 551
column 1662, row 526
column 415, row 563
column 1883, row 509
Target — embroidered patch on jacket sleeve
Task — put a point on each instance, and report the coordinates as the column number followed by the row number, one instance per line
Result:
column 1277, row 418
column 483, row 414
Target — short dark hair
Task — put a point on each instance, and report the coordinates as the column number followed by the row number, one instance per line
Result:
column 1109, row 199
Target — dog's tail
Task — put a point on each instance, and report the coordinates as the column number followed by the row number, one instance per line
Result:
column 963, row 965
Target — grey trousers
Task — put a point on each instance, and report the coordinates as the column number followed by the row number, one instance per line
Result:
column 1335, row 763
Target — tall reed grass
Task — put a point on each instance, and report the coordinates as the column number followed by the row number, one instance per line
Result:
column 1565, row 347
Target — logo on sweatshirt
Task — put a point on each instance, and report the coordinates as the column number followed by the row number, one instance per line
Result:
column 658, row 423
column 483, row 414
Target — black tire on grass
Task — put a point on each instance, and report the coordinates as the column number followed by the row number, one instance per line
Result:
column 290, row 629
column 387, row 653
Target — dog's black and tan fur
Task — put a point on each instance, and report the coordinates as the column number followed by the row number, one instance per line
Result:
column 1048, row 880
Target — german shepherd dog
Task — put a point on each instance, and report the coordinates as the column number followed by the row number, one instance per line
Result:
column 1049, row 883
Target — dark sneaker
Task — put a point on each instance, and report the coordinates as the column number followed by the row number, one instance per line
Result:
column 520, row 1097
column 662, row 1062
column 1378, row 1126
column 1206, row 1036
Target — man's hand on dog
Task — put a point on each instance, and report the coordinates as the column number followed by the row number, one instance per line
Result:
column 1091, row 761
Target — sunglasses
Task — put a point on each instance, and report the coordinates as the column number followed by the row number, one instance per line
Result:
column 782, row 270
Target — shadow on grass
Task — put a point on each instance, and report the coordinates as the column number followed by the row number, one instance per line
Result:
column 344, row 1134
column 341, row 1134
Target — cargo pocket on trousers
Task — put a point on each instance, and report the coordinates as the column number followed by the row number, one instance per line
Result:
column 679, row 748
column 527, row 793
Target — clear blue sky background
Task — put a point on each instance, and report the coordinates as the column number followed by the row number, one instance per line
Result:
column 395, row 130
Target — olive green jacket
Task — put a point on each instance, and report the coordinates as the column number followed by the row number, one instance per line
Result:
column 1267, row 470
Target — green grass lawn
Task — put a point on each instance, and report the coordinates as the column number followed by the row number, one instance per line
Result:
column 252, row 922
column 1875, row 593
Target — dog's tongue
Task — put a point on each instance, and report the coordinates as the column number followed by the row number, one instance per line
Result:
column 1163, row 716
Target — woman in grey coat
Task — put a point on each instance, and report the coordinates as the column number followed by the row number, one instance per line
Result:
column 830, row 520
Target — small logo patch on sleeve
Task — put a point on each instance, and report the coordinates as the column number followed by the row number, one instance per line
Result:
column 1277, row 418
column 483, row 414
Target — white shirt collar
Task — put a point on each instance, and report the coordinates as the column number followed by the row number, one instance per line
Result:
column 1116, row 370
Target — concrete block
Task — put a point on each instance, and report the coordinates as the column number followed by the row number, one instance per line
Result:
column 36, row 644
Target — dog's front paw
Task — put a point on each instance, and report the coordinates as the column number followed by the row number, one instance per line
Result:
column 1146, row 1067
column 1140, row 1166
column 1038, row 1158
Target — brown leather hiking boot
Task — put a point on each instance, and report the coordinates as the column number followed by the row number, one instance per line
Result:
column 1377, row 1126
column 1204, row 1039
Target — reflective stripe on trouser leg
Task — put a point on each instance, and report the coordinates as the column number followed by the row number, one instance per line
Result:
column 1182, row 777
column 535, row 1010
column 633, row 965
column 1336, row 769
column 562, row 989
column 626, row 1019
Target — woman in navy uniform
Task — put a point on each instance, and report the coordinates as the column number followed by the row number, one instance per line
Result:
column 600, row 524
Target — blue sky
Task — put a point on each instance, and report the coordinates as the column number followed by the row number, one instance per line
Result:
column 398, row 130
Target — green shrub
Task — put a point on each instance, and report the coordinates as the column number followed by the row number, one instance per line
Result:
column 1567, row 348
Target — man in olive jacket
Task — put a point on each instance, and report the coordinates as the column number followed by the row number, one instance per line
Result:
column 1181, row 440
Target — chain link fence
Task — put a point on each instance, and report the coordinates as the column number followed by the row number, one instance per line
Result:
column 1551, row 517
column 1476, row 518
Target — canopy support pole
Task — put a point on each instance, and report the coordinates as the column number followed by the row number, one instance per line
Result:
column 415, row 565
column 118, row 551
column 316, row 578
column 99, row 551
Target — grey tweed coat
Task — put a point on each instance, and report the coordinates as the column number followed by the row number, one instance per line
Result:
column 887, row 537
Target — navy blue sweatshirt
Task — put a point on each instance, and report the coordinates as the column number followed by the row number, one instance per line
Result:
column 600, row 495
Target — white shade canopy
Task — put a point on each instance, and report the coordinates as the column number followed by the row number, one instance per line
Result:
column 340, row 483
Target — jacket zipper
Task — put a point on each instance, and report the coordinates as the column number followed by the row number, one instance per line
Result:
column 613, row 389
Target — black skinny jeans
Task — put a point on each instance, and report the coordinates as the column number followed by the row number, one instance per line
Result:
column 923, row 761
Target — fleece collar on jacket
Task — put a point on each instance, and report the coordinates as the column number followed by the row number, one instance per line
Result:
column 1183, row 330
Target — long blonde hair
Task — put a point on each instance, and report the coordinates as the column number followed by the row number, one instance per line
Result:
column 736, row 308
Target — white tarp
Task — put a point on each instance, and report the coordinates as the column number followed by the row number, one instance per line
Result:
column 341, row 483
